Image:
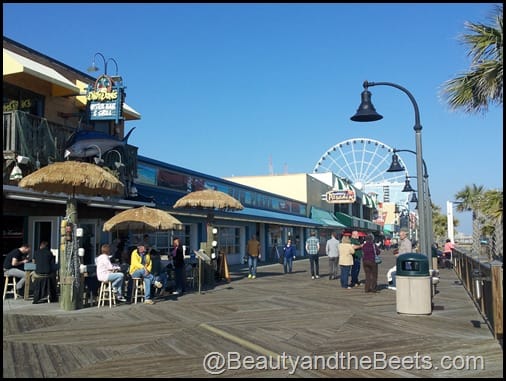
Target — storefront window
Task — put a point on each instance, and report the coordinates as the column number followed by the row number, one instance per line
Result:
column 229, row 240
column 18, row 99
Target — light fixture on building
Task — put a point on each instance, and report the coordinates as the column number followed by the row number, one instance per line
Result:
column 16, row 173
column 98, row 160
column 94, row 68
column 117, row 164
column 133, row 191
column 22, row 159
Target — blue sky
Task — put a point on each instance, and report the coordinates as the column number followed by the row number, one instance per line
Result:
column 248, row 89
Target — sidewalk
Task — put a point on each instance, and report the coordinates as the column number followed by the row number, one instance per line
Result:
column 274, row 315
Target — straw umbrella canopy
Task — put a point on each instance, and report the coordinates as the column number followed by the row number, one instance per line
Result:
column 210, row 200
column 143, row 219
column 72, row 177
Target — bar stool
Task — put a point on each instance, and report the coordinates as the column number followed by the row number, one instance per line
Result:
column 137, row 289
column 106, row 294
column 10, row 280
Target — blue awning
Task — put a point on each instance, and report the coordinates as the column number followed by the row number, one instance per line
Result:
column 267, row 216
column 325, row 218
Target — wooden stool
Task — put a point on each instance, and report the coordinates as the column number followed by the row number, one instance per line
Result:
column 106, row 294
column 10, row 280
column 137, row 289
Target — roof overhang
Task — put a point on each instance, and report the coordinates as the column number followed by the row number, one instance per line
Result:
column 11, row 192
column 18, row 68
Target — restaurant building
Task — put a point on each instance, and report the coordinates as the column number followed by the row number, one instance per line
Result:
column 49, row 106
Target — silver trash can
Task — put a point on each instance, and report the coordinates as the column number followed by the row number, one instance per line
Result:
column 414, row 284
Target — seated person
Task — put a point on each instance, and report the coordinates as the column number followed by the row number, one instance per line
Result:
column 14, row 265
column 45, row 274
column 159, row 273
column 140, row 267
column 106, row 272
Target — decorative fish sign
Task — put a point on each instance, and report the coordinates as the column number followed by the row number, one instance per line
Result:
column 85, row 143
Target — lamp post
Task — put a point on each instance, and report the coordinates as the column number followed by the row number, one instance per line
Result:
column 395, row 167
column 367, row 113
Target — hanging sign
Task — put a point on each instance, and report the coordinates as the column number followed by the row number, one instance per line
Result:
column 105, row 99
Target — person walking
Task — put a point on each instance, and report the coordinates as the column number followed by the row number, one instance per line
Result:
column 370, row 250
column 253, row 250
column 357, row 259
column 332, row 251
column 289, row 256
column 312, row 248
column 405, row 246
column 346, row 251
column 448, row 253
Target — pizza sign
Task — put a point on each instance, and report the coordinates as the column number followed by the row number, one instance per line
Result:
column 340, row 196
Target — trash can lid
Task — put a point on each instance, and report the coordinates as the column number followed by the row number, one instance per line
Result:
column 412, row 264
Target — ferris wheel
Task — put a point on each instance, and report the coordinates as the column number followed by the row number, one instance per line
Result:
column 363, row 162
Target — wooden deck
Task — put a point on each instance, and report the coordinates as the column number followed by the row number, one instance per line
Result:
column 274, row 315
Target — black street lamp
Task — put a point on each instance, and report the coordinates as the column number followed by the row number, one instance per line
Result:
column 367, row 113
column 396, row 167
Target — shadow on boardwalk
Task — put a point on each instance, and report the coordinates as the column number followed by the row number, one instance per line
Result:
column 276, row 319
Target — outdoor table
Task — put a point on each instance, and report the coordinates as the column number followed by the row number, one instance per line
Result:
column 29, row 269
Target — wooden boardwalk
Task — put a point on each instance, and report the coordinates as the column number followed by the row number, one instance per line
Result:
column 271, row 317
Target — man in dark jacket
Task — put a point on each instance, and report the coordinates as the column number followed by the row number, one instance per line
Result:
column 179, row 266
column 14, row 264
column 45, row 274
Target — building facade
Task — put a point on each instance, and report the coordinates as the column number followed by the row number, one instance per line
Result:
column 50, row 108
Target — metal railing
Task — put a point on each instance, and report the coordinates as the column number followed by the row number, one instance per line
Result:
column 43, row 142
column 483, row 281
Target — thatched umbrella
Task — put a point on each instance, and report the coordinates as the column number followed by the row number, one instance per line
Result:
column 143, row 219
column 72, row 177
column 210, row 200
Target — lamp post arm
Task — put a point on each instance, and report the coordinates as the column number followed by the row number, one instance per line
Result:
column 418, row 126
column 115, row 63
column 423, row 202
column 425, row 173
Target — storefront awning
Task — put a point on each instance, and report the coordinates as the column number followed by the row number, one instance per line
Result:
column 19, row 67
column 368, row 201
column 325, row 218
column 267, row 216
column 341, row 184
column 353, row 222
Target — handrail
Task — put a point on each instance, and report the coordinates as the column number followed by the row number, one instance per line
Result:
column 484, row 284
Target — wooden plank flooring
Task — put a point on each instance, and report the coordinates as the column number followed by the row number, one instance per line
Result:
column 273, row 315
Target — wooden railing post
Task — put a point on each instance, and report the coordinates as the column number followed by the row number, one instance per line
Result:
column 497, row 297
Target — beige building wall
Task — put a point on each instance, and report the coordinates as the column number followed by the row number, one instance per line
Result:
column 300, row 186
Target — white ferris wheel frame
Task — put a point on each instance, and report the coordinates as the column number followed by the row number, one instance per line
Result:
column 361, row 166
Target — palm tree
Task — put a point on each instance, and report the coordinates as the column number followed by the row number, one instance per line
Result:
column 471, row 198
column 492, row 209
column 482, row 85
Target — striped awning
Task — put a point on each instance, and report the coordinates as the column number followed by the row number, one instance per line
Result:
column 369, row 201
column 341, row 184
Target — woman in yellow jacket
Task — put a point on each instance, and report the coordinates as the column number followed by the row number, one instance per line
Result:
column 346, row 251
column 140, row 267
